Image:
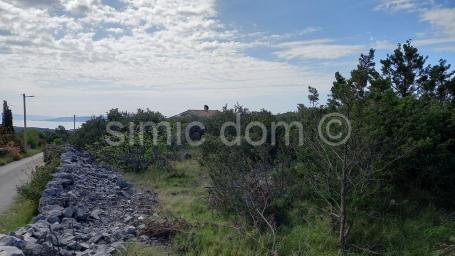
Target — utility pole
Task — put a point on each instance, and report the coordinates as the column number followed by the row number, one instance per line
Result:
column 74, row 123
column 25, row 120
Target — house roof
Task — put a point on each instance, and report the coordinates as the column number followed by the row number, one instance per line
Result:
column 198, row 113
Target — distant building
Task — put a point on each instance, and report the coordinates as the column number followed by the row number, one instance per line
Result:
column 198, row 113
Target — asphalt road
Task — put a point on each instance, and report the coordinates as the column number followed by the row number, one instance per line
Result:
column 15, row 174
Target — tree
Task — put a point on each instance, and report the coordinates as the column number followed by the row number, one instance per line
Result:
column 115, row 115
column 437, row 81
column 346, row 175
column 91, row 131
column 7, row 135
column 313, row 96
column 33, row 137
column 7, row 119
column 364, row 73
column 404, row 68
column 61, row 135
column 342, row 92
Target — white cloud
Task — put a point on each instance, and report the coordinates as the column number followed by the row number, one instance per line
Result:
column 161, row 49
column 433, row 41
column 383, row 45
column 397, row 5
column 115, row 30
column 441, row 18
column 36, row 3
column 316, row 49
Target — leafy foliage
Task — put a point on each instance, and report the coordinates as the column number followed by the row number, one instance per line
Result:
column 90, row 132
column 307, row 197
column 401, row 150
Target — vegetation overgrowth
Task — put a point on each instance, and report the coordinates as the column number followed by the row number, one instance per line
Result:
column 388, row 190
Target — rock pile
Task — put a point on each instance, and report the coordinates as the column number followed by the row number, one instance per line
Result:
column 87, row 209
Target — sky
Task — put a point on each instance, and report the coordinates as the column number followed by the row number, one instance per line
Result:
column 85, row 57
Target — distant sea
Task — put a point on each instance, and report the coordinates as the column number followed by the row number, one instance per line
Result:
column 48, row 124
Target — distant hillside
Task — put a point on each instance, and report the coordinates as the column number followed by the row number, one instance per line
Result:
column 69, row 119
column 31, row 117
column 80, row 119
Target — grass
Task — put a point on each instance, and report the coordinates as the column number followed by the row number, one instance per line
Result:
column 38, row 181
column 6, row 159
column 420, row 233
column 137, row 249
column 19, row 214
column 182, row 193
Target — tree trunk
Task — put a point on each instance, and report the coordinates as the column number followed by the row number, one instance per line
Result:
column 343, row 200
column 343, row 217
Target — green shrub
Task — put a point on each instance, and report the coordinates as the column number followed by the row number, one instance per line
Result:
column 33, row 138
column 52, row 153
column 90, row 132
column 39, row 179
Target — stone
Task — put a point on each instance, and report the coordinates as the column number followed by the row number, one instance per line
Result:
column 130, row 230
column 67, row 239
column 56, row 227
column 127, row 218
column 54, row 215
column 87, row 209
column 38, row 218
column 32, row 248
column 81, row 214
column 73, row 195
column 96, row 238
column 20, row 232
column 68, row 212
column 53, row 219
column 51, row 207
column 95, row 214
column 12, row 241
column 10, row 251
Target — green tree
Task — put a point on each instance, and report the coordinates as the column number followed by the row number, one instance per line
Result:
column 313, row 97
column 437, row 81
column 33, row 137
column 91, row 131
column 61, row 135
column 404, row 68
column 364, row 73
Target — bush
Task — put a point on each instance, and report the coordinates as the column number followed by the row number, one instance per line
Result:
column 242, row 181
column 52, row 153
column 90, row 132
column 39, row 179
column 13, row 150
column 33, row 138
